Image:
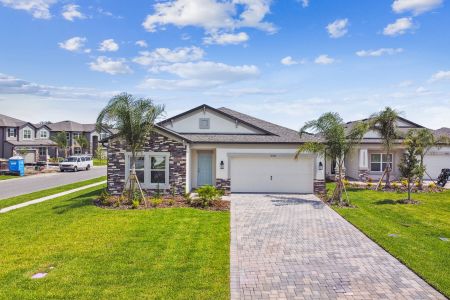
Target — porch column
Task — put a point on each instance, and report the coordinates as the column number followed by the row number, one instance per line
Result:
column 46, row 157
column 363, row 165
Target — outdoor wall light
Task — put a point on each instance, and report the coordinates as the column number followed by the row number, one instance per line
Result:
column 320, row 166
column 222, row 165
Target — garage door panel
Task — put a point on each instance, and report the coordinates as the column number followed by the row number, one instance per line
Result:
column 279, row 174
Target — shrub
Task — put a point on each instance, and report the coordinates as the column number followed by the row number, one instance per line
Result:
column 346, row 182
column 187, row 197
column 395, row 185
column 405, row 183
column 369, row 184
column 432, row 185
column 135, row 204
column 155, row 201
column 369, row 179
column 104, row 197
column 171, row 201
column 207, row 194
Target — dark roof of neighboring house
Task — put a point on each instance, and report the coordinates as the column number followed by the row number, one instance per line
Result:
column 273, row 133
column 444, row 131
column 6, row 121
column 349, row 124
column 71, row 126
column 36, row 142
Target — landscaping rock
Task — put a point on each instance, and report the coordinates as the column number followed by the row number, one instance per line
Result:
column 444, row 239
column 393, row 235
column 39, row 275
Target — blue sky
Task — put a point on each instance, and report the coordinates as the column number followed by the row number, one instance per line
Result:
column 286, row 61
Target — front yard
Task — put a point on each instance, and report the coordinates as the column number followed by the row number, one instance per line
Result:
column 90, row 252
column 6, row 177
column 409, row 232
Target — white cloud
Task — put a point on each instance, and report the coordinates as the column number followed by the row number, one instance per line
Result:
column 379, row 52
column 415, row 6
column 400, row 26
column 238, row 92
column 203, row 74
column 288, row 61
column 165, row 55
column 142, row 43
column 441, row 75
column 226, row 38
column 74, row 44
column 338, row 28
column 110, row 66
column 324, row 60
column 305, row 3
column 39, row 9
column 71, row 12
column 108, row 45
column 212, row 15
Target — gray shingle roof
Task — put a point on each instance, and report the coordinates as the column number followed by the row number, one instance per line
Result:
column 275, row 134
column 6, row 121
column 36, row 142
column 71, row 126
column 444, row 131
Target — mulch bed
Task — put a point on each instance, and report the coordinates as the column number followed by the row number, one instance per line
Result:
column 121, row 203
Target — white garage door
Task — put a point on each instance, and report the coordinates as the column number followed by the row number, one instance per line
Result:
column 271, row 174
column 435, row 163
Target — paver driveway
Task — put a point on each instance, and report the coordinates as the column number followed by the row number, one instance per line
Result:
column 295, row 247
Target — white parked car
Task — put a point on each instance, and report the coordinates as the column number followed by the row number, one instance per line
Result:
column 76, row 163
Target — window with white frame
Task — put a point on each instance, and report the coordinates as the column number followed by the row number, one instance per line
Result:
column 152, row 169
column 76, row 135
column 77, row 150
column 204, row 123
column 42, row 151
column 43, row 134
column 12, row 132
column 27, row 134
column 379, row 161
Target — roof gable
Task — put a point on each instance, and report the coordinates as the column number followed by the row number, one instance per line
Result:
column 220, row 122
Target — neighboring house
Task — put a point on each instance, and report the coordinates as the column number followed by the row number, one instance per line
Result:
column 73, row 130
column 369, row 160
column 33, row 141
column 17, row 136
column 221, row 147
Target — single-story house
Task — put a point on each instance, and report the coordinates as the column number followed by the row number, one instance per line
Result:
column 222, row 147
column 369, row 160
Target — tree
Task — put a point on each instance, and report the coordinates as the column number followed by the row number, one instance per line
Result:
column 409, row 165
column 134, row 120
column 61, row 141
column 336, row 143
column 424, row 139
column 82, row 142
column 385, row 123
column 100, row 154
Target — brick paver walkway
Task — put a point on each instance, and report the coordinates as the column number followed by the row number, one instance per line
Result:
column 295, row 247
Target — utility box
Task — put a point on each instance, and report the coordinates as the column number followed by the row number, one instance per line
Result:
column 16, row 165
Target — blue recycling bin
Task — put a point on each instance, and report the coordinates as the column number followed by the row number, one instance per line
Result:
column 16, row 165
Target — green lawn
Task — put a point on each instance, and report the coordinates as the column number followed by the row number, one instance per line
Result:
column 418, row 228
column 94, row 253
column 6, row 177
column 98, row 162
column 27, row 197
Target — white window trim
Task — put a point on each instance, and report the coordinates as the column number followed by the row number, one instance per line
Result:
column 14, row 132
column 381, row 162
column 41, row 132
column 31, row 134
column 147, row 164
column 200, row 123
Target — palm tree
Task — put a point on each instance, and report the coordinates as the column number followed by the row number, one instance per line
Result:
column 61, row 141
column 82, row 142
column 424, row 140
column 385, row 123
column 336, row 142
column 134, row 120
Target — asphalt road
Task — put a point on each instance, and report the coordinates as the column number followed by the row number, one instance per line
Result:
column 29, row 184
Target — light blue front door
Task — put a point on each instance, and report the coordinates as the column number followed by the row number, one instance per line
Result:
column 204, row 172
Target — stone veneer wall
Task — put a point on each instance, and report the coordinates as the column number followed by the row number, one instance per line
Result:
column 156, row 143
column 319, row 186
column 224, row 184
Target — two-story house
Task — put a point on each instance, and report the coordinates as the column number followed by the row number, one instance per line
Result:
column 34, row 143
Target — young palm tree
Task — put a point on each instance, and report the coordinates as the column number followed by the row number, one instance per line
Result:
column 134, row 120
column 385, row 123
column 82, row 142
column 424, row 140
column 336, row 143
column 61, row 141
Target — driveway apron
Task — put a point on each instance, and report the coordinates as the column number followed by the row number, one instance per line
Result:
column 295, row 247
